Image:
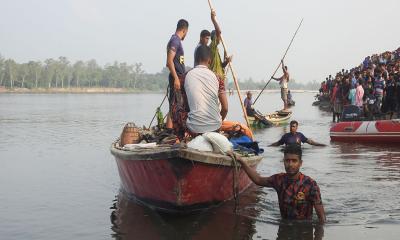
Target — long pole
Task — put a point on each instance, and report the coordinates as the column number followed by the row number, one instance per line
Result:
column 284, row 55
column 233, row 75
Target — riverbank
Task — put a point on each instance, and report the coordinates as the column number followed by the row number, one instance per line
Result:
column 110, row 90
column 74, row 90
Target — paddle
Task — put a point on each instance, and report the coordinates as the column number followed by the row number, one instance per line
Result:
column 284, row 55
column 233, row 74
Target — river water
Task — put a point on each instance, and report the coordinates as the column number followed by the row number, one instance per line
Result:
column 58, row 179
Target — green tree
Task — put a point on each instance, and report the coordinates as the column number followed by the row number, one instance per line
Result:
column 61, row 70
column 78, row 72
column 2, row 70
column 49, row 71
column 10, row 71
column 138, row 72
column 35, row 69
column 94, row 72
column 23, row 71
column 125, row 74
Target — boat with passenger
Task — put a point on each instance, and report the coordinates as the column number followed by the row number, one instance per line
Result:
column 276, row 118
column 177, row 178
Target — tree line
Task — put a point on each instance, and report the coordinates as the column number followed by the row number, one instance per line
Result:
column 62, row 73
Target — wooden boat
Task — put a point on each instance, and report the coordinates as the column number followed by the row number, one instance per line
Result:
column 275, row 118
column 179, row 180
column 381, row 131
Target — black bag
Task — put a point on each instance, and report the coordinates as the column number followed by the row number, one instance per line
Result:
column 351, row 113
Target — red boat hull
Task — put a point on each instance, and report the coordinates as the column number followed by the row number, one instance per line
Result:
column 177, row 184
column 381, row 131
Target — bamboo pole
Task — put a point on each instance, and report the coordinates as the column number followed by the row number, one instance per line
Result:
column 284, row 55
column 233, row 75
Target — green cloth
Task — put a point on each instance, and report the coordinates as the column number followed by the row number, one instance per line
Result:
column 216, row 62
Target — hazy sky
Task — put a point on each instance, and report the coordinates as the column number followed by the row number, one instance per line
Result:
column 335, row 34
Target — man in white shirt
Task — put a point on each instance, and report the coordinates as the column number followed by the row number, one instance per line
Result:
column 283, row 82
column 205, row 93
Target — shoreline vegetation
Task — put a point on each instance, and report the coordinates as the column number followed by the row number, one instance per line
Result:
column 60, row 75
column 113, row 90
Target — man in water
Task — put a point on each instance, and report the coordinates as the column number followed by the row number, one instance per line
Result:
column 297, row 193
column 283, row 82
column 205, row 93
column 294, row 137
column 176, row 64
column 248, row 102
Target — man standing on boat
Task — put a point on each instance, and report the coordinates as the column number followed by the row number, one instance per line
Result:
column 283, row 82
column 294, row 137
column 175, row 64
column 298, row 194
column 205, row 92
column 216, row 65
column 204, row 39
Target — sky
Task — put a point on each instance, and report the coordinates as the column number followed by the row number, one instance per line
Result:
column 334, row 35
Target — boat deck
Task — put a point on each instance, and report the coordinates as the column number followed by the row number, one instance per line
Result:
column 168, row 151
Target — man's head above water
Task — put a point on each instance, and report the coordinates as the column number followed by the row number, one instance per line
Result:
column 292, row 159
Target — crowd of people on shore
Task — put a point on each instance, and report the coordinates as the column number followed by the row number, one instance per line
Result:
column 373, row 86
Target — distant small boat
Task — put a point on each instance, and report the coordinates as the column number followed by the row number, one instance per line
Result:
column 381, row 131
column 275, row 118
column 323, row 102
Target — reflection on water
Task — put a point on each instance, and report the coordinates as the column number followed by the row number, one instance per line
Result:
column 131, row 220
column 389, row 163
column 385, row 158
column 300, row 231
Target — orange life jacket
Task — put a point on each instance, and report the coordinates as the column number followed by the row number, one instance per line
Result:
column 233, row 126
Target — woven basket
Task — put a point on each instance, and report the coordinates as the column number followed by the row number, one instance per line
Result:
column 130, row 134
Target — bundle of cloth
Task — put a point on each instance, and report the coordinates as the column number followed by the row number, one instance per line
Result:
column 233, row 137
